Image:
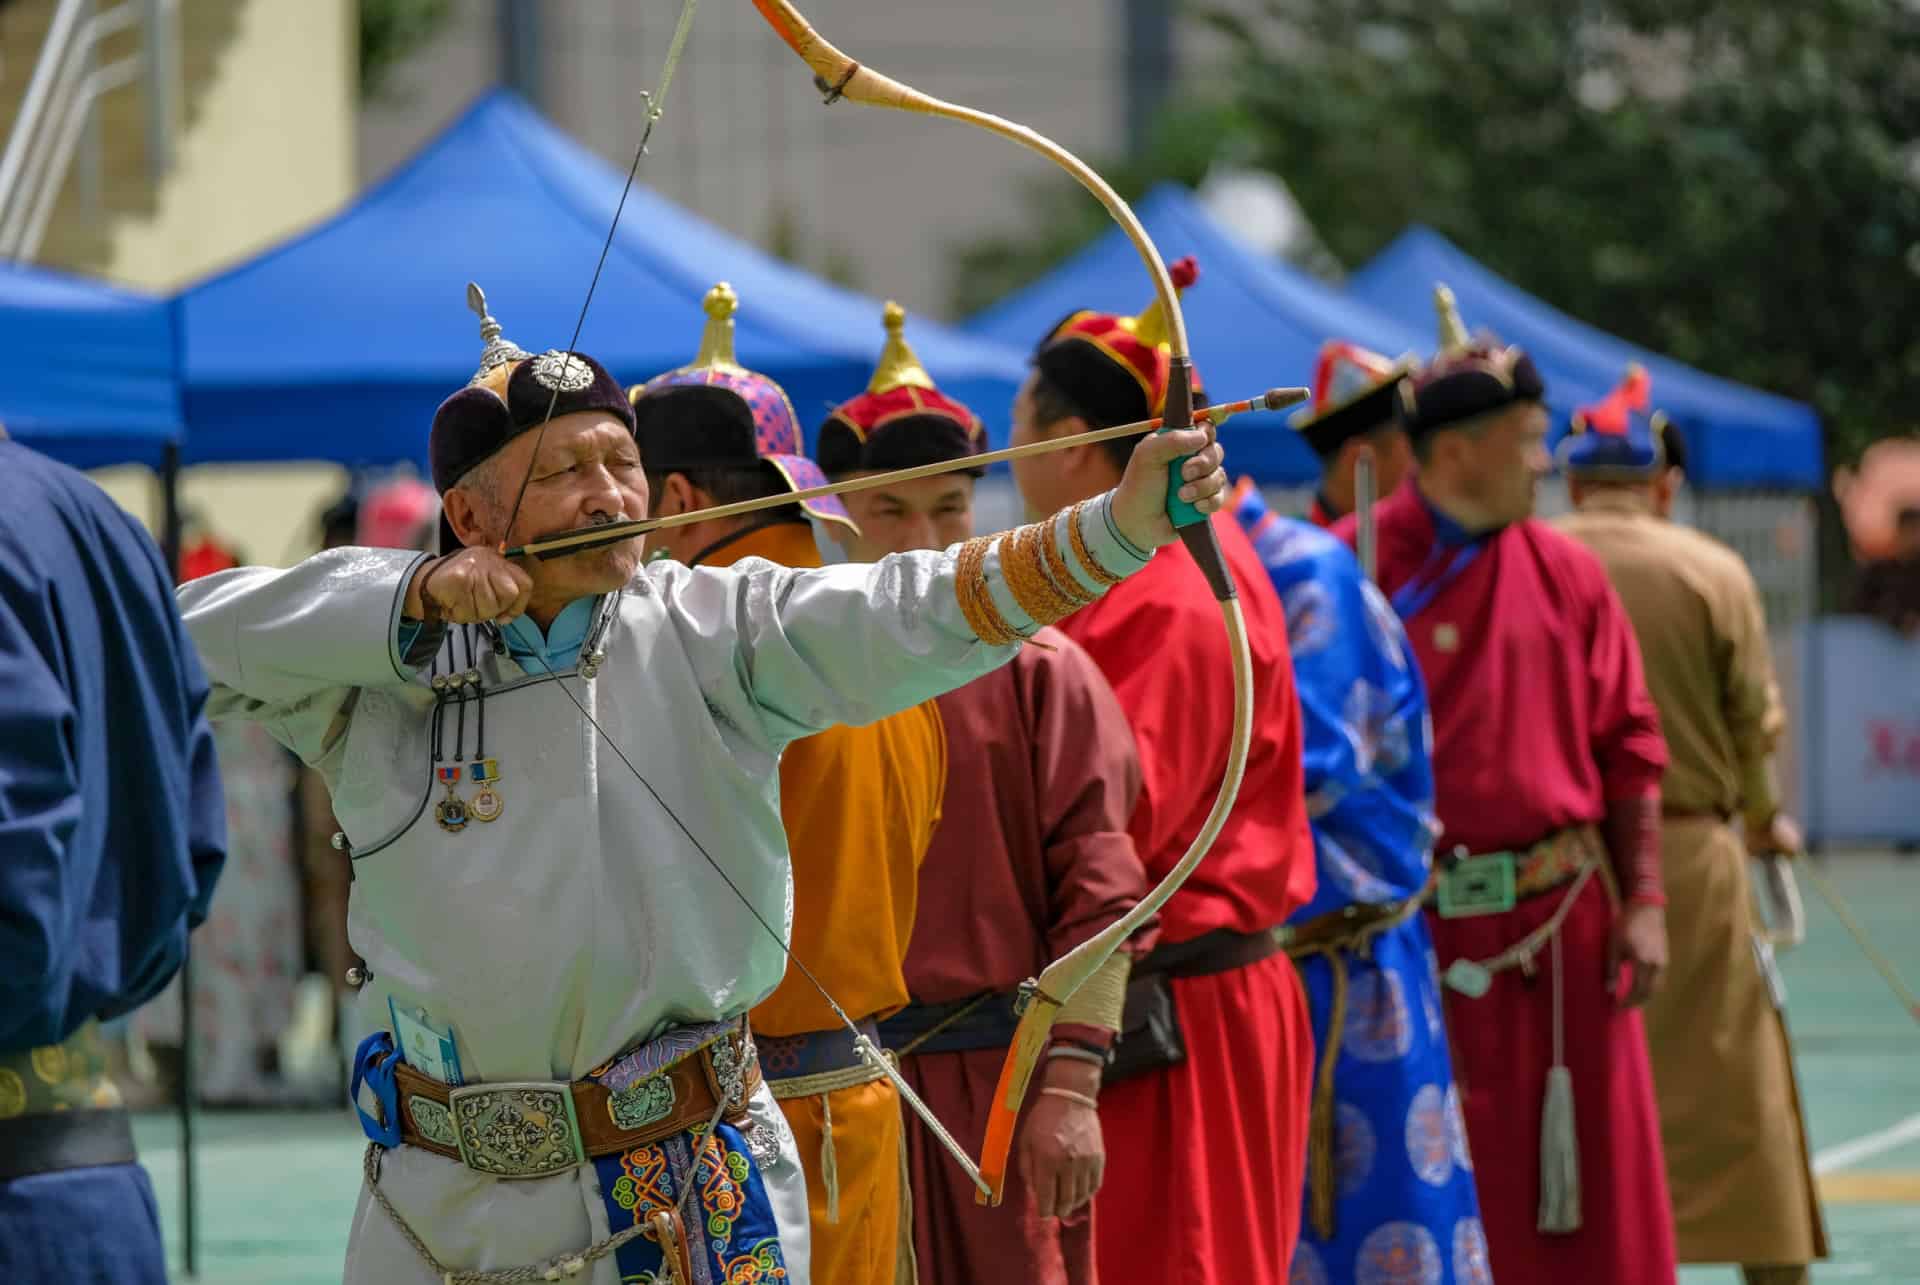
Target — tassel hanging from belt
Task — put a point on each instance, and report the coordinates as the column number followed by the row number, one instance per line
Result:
column 1321, row 1180
column 823, row 1085
column 1559, row 1141
column 829, row 1159
column 1349, row 930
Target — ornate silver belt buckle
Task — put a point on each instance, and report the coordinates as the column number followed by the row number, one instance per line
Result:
column 525, row 1130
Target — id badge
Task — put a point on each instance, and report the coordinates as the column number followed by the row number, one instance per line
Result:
column 1477, row 886
column 425, row 1046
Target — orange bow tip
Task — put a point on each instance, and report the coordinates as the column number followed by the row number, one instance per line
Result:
column 1029, row 1042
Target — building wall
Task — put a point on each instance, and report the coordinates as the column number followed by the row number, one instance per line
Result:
column 270, row 150
column 874, row 196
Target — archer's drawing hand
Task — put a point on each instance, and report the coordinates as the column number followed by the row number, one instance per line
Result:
column 468, row 587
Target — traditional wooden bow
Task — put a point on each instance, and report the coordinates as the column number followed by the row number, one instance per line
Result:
column 841, row 77
column 1042, row 997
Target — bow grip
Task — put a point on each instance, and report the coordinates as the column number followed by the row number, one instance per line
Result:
column 1195, row 531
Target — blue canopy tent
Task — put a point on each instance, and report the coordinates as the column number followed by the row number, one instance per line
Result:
column 1254, row 322
column 339, row 343
column 93, row 379
column 1737, row 436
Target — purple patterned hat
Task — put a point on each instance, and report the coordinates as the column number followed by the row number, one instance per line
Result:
column 741, row 415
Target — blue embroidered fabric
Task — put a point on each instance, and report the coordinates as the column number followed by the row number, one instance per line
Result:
column 1406, row 1208
column 732, row 1237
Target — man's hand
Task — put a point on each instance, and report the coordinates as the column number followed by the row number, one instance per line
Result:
column 1140, row 503
column 1779, row 837
column 468, row 587
column 1639, row 942
column 1062, row 1156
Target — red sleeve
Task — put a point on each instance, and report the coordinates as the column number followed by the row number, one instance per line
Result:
column 1346, row 529
column 1627, row 742
column 1086, row 780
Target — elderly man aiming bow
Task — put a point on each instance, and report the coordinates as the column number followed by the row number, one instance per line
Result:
column 559, row 963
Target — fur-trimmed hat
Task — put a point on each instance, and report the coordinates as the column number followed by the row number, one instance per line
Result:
column 1468, row 377
column 901, row 421
column 714, row 413
column 1115, row 368
column 1615, row 439
column 1355, row 392
column 512, row 391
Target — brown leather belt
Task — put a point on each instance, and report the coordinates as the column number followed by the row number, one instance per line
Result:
column 530, row 1130
column 1347, row 927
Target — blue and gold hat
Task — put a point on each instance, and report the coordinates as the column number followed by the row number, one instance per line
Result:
column 1616, row 439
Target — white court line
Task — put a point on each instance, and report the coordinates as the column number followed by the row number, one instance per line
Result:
column 1847, row 1154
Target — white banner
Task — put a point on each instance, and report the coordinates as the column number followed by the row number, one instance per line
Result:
column 1856, row 720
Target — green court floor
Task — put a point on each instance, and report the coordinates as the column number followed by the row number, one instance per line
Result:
column 277, row 1189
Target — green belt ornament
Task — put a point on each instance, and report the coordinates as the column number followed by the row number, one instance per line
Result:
column 1481, row 885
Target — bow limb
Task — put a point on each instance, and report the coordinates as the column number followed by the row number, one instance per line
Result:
column 845, row 78
column 848, row 79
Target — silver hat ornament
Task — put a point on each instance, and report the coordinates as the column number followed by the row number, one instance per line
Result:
column 498, row 351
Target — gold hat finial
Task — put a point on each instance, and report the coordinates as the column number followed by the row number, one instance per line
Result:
column 1150, row 327
column 1453, row 331
column 716, row 341
column 495, row 351
column 898, row 366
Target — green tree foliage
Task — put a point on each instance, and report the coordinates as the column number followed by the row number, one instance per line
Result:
column 392, row 29
column 1734, row 184
column 1062, row 217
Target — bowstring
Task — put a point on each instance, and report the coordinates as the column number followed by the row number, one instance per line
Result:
column 654, row 112
column 653, row 116
column 700, row 847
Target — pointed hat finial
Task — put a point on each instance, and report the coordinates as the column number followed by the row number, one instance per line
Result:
column 716, row 341
column 1150, row 327
column 898, row 366
column 496, row 351
column 1453, row 331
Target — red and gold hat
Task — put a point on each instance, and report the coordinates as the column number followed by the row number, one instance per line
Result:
column 714, row 413
column 901, row 421
column 1355, row 392
column 1469, row 377
column 1115, row 368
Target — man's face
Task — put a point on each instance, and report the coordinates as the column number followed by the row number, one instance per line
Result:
column 587, row 471
column 1501, row 464
column 927, row 513
column 1043, row 486
column 1392, row 460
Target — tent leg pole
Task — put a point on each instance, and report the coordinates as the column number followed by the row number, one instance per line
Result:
column 170, row 541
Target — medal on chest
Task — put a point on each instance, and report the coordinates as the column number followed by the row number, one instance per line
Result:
column 487, row 805
column 451, row 812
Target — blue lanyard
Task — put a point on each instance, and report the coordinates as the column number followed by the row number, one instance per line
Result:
column 1417, row 594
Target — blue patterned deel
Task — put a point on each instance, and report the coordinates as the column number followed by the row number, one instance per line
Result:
column 729, row 1221
column 1405, row 1208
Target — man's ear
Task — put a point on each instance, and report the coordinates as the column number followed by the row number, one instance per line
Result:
column 1074, row 460
column 675, row 494
column 468, row 515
